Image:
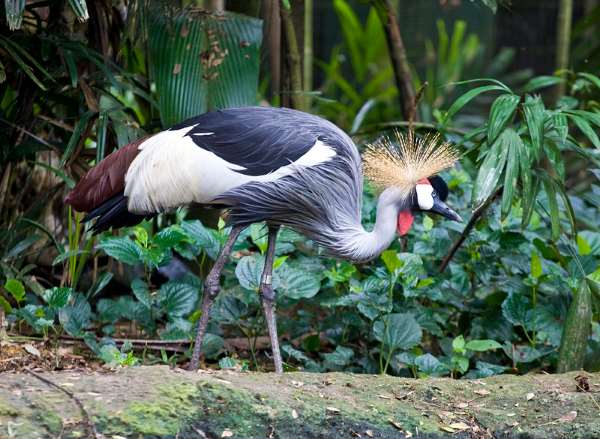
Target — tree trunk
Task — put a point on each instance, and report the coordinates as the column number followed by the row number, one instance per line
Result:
column 272, row 44
column 293, row 57
column 307, row 77
column 402, row 74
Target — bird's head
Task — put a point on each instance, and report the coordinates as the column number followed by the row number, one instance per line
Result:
column 406, row 171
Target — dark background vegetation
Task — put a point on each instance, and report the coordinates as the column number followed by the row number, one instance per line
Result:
column 514, row 87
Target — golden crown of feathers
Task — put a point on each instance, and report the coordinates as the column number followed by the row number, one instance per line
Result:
column 406, row 160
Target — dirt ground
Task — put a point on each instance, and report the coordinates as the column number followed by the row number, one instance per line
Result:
column 159, row 402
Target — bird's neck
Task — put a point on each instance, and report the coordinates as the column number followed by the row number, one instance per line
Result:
column 368, row 245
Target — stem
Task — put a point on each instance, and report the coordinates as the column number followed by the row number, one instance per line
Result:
column 474, row 219
column 402, row 73
column 293, row 53
column 563, row 40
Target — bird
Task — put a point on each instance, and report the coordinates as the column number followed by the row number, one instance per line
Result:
column 280, row 166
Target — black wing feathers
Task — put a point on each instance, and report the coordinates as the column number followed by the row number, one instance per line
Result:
column 259, row 139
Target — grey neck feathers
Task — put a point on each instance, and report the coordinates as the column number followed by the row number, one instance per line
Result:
column 362, row 245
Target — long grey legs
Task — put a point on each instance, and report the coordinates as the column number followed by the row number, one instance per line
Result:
column 211, row 290
column 268, row 298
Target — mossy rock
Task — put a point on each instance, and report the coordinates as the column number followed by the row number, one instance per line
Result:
column 158, row 402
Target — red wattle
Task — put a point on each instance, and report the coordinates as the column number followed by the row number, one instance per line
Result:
column 405, row 220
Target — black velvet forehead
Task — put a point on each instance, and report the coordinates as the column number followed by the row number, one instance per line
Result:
column 440, row 186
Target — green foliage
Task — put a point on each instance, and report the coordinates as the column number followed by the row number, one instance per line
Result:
column 221, row 73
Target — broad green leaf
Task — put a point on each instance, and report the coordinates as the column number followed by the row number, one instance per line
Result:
column 228, row 363
column 14, row 13
column 592, row 240
column 533, row 108
column 259, row 234
column 123, row 249
column 141, row 292
column 6, row 306
column 541, row 82
column 202, row 237
column 76, row 318
column 295, row 283
column 249, row 271
column 177, row 299
column 429, row 365
column 398, row 331
column 16, row 289
column 514, row 145
column 586, row 129
column 57, row 297
column 486, row 370
column 492, row 167
column 592, row 78
column 99, row 285
column 391, row 261
column 552, row 207
column 201, row 62
column 483, row 345
column 467, row 97
column 170, row 237
column 338, row 359
column 458, row 344
column 212, row 346
column 516, row 309
column 536, row 265
column 80, row 9
column 501, row 113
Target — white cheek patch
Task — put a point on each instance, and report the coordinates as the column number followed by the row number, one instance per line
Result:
column 424, row 196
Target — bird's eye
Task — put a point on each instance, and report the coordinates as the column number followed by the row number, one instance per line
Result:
column 434, row 194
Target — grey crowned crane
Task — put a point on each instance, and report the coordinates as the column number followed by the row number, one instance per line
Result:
column 277, row 165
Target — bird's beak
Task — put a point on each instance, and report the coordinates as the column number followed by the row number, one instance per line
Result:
column 442, row 208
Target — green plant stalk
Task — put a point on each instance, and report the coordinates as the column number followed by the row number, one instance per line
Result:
column 563, row 41
column 576, row 330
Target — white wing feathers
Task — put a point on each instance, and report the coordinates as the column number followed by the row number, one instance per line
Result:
column 171, row 171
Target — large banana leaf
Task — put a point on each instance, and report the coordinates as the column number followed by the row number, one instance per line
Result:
column 201, row 62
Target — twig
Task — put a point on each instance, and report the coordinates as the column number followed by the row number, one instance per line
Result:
column 86, row 416
column 474, row 219
column 587, row 392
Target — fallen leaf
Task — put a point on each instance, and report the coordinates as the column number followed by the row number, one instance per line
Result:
column 482, row 392
column 569, row 417
column 462, row 405
column 369, row 433
column 447, row 428
column 459, row 426
column 510, row 415
column 297, row 383
column 227, row 433
column 332, row 410
column 294, row 414
column 32, row 350
column 530, row 396
column 395, row 424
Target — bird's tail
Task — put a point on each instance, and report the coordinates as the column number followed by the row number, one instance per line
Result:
column 113, row 213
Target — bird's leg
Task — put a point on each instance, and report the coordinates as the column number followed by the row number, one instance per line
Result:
column 268, row 298
column 211, row 290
